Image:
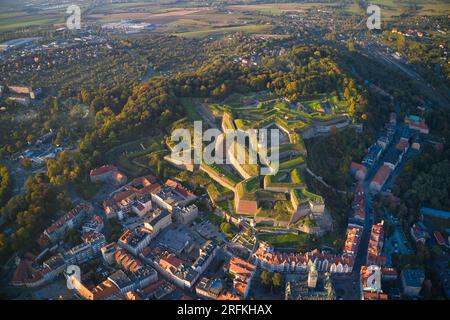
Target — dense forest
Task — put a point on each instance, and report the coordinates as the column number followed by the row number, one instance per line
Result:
column 31, row 213
column 424, row 180
column 5, row 185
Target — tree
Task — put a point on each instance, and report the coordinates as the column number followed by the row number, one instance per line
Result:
column 3, row 246
column 350, row 46
column 266, row 278
column 5, row 185
column 225, row 227
column 276, row 280
column 25, row 163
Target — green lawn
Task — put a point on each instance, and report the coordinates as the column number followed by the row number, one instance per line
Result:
column 189, row 105
column 283, row 240
column 127, row 154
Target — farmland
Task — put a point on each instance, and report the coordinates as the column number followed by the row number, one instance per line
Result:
column 193, row 20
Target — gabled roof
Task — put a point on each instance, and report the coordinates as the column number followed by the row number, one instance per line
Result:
column 102, row 170
column 382, row 175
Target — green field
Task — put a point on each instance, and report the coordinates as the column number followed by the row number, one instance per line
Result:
column 129, row 155
column 284, row 240
column 192, row 20
column 22, row 21
column 219, row 31
column 393, row 8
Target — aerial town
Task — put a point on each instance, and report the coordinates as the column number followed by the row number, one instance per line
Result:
column 96, row 204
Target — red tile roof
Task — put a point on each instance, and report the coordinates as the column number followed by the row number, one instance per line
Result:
column 382, row 175
column 153, row 287
column 242, row 271
column 102, row 170
column 228, row 296
column 170, row 261
column 266, row 254
column 402, row 145
column 104, row 290
column 439, row 238
column 389, row 272
column 357, row 167
column 179, row 188
column 375, row 296
column 26, row 273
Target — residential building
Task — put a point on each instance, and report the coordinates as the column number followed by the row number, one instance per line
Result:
column 353, row 238
column 145, row 185
column 388, row 274
column 207, row 253
column 15, row 44
column 372, row 155
column 126, row 261
column 173, row 195
column 136, row 240
column 440, row 240
column 380, row 178
column 419, row 233
column 119, row 205
column 376, row 241
column 27, row 274
column 417, row 123
column 358, row 171
column 70, row 220
column 393, row 119
column 134, row 197
column 121, row 281
column 403, row 145
column 209, row 288
column 108, row 252
column 243, row 273
column 94, row 225
column 109, row 174
column 412, row 280
column 158, row 290
column 393, row 158
column 213, row 288
column 158, row 220
column 384, row 141
column 141, row 275
column 185, row 215
column 53, row 267
column 142, row 205
column 268, row 259
column 359, row 203
column 178, row 270
column 106, row 290
column 21, row 100
column 85, row 251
